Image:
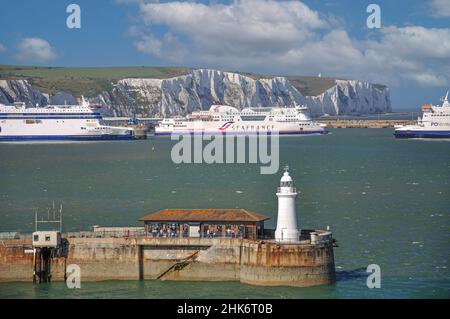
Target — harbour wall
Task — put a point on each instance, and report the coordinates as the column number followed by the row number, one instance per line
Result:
column 365, row 123
column 196, row 259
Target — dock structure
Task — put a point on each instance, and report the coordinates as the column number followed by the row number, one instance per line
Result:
column 187, row 244
column 46, row 246
column 307, row 262
column 365, row 123
column 141, row 126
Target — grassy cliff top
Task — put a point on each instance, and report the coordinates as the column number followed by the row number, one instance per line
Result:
column 91, row 81
column 83, row 81
column 94, row 73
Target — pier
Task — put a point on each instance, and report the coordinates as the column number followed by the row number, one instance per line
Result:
column 258, row 262
column 183, row 244
column 142, row 126
column 365, row 123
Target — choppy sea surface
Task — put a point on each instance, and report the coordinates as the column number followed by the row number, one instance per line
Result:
column 387, row 202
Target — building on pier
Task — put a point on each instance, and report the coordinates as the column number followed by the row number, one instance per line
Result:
column 204, row 223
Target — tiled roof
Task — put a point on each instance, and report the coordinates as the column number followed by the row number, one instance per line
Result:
column 202, row 215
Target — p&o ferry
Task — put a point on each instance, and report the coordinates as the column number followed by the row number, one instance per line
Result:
column 434, row 123
column 57, row 122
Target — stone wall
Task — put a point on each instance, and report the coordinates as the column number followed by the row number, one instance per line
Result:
column 15, row 264
column 219, row 259
column 273, row 264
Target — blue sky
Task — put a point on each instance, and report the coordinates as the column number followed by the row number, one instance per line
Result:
column 410, row 53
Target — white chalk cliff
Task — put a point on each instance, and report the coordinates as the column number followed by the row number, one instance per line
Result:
column 200, row 88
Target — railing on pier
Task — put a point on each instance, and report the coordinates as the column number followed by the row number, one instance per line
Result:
column 139, row 232
column 218, row 234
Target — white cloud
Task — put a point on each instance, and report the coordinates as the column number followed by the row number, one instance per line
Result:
column 440, row 8
column 412, row 54
column 287, row 37
column 35, row 50
column 2, row 48
column 240, row 25
column 149, row 44
column 168, row 47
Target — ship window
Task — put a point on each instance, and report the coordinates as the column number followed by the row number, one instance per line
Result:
column 253, row 117
column 47, row 237
column 36, row 237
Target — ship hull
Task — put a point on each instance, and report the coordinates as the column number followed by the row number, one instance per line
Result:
column 421, row 134
column 312, row 132
column 19, row 138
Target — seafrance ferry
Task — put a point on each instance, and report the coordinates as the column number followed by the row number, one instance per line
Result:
column 57, row 122
column 434, row 123
column 227, row 119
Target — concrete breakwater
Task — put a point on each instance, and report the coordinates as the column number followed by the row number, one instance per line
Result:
column 365, row 123
column 307, row 262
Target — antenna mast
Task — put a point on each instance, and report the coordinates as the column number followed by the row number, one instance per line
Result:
column 54, row 219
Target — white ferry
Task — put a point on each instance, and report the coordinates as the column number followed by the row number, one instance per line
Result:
column 57, row 122
column 227, row 119
column 434, row 123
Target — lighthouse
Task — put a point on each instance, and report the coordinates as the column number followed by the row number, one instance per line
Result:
column 287, row 216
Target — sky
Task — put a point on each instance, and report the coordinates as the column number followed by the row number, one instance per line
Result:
column 410, row 52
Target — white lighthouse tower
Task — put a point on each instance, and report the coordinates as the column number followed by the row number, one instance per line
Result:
column 287, row 216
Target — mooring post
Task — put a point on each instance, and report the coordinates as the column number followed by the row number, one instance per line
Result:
column 39, row 271
column 34, row 265
column 65, row 269
column 141, row 261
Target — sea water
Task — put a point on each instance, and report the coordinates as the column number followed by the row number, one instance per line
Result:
column 386, row 201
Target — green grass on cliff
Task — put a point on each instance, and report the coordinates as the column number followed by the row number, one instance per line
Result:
column 311, row 85
column 92, row 81
column 83, row 81
column 94, row 73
